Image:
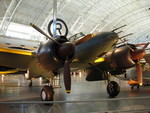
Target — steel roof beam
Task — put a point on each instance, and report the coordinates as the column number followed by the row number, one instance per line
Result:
column 47, row 19
column 9, row 13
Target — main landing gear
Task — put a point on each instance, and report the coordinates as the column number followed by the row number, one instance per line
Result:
column 113, row 89
column 47, row 93
column 137, row 85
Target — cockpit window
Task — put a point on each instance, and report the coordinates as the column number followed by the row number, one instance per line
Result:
column 76, row 36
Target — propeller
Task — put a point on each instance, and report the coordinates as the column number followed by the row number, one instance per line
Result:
column 64, row 50
column 136, row 55
column 123, row 41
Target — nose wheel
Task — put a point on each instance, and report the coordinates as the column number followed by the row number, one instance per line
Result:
column 113, row 89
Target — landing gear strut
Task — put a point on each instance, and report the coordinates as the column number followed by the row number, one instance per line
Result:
column 113, row 89
column 30, row 84
column 132, row 86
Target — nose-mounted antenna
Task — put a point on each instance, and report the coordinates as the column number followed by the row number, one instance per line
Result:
column 123, row 41
column 118, row 28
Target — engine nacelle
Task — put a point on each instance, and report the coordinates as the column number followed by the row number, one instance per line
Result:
column 120, row 58
column 48, row 57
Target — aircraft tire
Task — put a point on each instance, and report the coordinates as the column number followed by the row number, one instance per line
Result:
column 113, row 89
column 47, row 93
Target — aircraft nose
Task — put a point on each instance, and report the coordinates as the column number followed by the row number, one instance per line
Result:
column 114, row 36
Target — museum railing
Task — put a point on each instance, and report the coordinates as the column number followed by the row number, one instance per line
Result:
column 115, row 105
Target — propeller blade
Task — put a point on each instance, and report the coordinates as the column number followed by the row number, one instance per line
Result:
column 42, row 32
column 126, row 35
column 67, row 76
column 139, row 73
column 126, row 45
column 145, row 46
column 64, row 51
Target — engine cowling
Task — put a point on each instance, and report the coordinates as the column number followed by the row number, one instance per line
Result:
column 50, row 56
column 120, row 58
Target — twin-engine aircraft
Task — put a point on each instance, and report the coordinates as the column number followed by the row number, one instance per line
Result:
column 59, row 55
column 94, row 52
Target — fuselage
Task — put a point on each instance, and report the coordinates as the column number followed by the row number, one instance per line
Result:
column 95, row 47
column 85, row 53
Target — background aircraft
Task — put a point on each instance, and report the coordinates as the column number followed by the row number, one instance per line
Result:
column 132, row 75
column 115, row 63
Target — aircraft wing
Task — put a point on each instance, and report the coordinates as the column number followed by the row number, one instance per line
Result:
column 15, row 58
